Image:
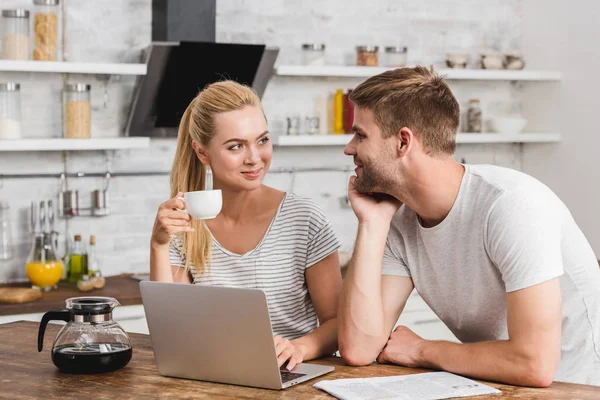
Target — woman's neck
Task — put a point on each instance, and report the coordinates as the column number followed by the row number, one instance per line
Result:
column 241, row 205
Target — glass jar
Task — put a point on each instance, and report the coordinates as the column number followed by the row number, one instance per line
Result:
column 15, row 34
column 6, row 245
column 474, row 116
column 10, row 110
column 46, row 30
column 77, row 110
column 313, row 54
column 395, row 56
column 367, row 56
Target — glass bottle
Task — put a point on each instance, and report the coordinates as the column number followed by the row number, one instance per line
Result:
column 474, row 116
column 10, row 111
column 77, row 110
column 77, row 261
column 338, row 112
column 47, row 40
column 15, row 35
column 92, row 260
column 6, row 245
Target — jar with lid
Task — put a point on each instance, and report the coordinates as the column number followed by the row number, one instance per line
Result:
column 313, row 54
column 474, row 116
column 367, row 56
column 46, row 30
column 15, row 34
column 77, row 110
column 395, row 56
column 6, row 244
column 10, row 110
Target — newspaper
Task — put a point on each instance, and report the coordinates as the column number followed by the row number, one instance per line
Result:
column 426, row 386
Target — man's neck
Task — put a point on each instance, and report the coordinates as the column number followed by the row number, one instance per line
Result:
column 432, row 189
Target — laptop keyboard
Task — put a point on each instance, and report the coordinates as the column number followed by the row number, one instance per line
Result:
column 288, row 376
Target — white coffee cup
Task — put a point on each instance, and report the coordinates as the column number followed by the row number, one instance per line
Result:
column 203, row 204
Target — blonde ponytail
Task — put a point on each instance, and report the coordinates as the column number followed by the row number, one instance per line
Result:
column 188, row 173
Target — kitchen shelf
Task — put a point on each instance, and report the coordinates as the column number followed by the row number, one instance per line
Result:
column 74, row 144
column 451, row 74
column 342, row 140
column 73, row 67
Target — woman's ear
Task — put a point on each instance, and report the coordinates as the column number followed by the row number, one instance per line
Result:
column 200, row 151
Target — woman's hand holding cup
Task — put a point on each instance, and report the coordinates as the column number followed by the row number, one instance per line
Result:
column 171, row 219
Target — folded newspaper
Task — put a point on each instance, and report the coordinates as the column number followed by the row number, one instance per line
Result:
column 426, row 386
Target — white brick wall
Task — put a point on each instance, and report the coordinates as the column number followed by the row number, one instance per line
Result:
column 119, row 29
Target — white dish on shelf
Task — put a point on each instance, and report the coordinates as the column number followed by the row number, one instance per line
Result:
column 507, row 124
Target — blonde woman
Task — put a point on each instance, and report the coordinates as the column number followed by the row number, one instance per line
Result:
column 263, row 238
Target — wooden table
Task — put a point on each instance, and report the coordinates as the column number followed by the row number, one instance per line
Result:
column 27, row 374
column 122, row 287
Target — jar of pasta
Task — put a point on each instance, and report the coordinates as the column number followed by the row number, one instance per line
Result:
column 77, row 110
column 46, row 30
column 15, row 37
column 367, row 56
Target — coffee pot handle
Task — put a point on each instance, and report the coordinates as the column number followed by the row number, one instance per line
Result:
column 54, row 315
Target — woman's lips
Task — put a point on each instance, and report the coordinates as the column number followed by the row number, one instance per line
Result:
column 252, row 174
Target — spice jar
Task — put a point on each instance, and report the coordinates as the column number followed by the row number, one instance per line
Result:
column 77, row 110
column 395, row 56
column 474, row 116
column 46, row 30
column 367, row 56
column 313, row 54
column 15, row 35
column 10, row 111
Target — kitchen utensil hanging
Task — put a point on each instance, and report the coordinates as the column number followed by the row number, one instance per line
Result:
column 69, row 200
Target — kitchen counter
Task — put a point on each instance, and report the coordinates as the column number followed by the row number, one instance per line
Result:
column 27, row 374
column 122, row 287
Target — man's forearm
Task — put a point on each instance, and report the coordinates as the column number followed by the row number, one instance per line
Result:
column 362, row 332
column 501, row 361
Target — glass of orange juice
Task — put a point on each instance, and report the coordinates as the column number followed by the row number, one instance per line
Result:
column 44, row 275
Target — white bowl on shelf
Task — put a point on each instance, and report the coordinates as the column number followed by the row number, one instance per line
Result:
column 507, row 124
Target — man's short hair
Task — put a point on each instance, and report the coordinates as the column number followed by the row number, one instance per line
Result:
column 415, row 98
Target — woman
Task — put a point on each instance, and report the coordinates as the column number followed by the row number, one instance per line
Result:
column 263, row 238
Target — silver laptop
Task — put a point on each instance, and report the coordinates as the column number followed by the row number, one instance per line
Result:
column 217, row 334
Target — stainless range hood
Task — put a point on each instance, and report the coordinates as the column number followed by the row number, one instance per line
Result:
column 178, row 70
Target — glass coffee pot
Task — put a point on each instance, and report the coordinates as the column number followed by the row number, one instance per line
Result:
column 91, row 342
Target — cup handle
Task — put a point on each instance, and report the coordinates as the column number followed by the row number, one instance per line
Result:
column 182, row 199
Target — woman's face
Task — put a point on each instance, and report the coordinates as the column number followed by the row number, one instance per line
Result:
column 240, row 152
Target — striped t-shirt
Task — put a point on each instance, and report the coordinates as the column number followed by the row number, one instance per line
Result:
column 298, row 237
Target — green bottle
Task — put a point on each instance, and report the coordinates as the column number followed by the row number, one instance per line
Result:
column 77, row 262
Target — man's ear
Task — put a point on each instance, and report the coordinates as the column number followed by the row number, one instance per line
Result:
column 404, row 141
column 200, row 151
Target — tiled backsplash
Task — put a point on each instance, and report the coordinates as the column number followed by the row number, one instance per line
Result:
column 116, row 31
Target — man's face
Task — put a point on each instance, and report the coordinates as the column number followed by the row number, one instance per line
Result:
column 373, row 155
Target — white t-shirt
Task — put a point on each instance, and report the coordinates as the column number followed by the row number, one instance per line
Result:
column 506, row 231
column 298, row 237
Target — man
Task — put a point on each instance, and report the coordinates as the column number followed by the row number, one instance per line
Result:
column 494, row 253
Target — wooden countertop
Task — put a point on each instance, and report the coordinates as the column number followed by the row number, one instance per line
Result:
column 122, row 287
column 27, row 374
